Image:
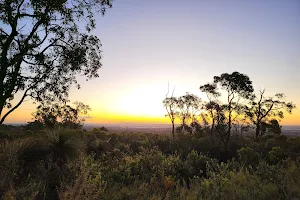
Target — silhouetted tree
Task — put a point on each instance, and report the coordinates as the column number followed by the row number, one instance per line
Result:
column 184, row 128
column 221, row 126
column 188, row 105
column 170, row 103
column 236, row 87
column 274, row 127
column 212, row 105
column 42, row 48
column 196, row 106
column 262, row 108
column 196, row 127
column 48, row 115
column 35, row 125
column 62, row 115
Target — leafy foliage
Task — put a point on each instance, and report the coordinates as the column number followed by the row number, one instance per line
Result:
column 232, row 107
column 43, row 48
column 60, row 115
column 262, row 109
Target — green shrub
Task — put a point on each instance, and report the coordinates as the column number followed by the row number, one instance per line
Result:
column 248, row 156
column 277, row 154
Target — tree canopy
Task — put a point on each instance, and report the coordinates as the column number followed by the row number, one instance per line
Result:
column 66, row 116
column 264, row 109
column 237, row 86
column 43, row 46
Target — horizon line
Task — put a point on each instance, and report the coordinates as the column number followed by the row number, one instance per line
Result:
column 124, row 123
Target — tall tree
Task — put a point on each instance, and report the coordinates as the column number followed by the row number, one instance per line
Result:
column 43, row 46
column 170, row 103
column 262, row 108
column 236, row 86
column 212, row 106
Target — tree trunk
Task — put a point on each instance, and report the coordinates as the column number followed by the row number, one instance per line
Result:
column 228, row 132
column 212, row 128
column 257, row 130
column 13, row 108
column 173, row 129
column 226, row 144
column 1, row 109
column 183, row 125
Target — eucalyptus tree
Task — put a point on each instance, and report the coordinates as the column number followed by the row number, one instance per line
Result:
column 212, row 106
column 64, row 115
column 263, row 109
column 234, row 87
column 188, row 106
column 170, row 104
column 44, row 44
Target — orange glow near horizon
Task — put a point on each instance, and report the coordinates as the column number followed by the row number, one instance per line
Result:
column 141, row 105
column 22, row 116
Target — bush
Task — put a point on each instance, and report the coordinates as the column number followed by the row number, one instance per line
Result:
column 248, row 156
column 73, row 164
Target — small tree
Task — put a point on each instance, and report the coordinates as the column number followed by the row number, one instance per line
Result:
column 262, row 108
column 62, row 115
column 196, row 128
column 48, row 115
column 170, row 103
column 188, row 106
column 274, row 127
column 72, row 117
column 212, row 105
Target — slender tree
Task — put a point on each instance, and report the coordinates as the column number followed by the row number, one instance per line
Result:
column 237, row 86
column 212, row 106
column 170, row 103
column 188, row 106
column 262, row 108
column 43, row 47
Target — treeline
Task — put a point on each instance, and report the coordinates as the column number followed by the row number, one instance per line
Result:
column 231, row 101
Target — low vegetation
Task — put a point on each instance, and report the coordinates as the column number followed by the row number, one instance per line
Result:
column 63, row 163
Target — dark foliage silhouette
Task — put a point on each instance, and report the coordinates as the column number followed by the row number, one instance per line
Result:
column 170, row 103
column 241, row 109
column 237, row 86
column 52, row 116
column 262, row 109
column 42, row 48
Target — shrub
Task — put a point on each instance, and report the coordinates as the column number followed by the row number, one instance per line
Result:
column 248, row 156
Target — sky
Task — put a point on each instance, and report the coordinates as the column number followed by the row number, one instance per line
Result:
column 150, row 44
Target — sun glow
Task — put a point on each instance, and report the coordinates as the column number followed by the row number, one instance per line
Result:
column 138, row 102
